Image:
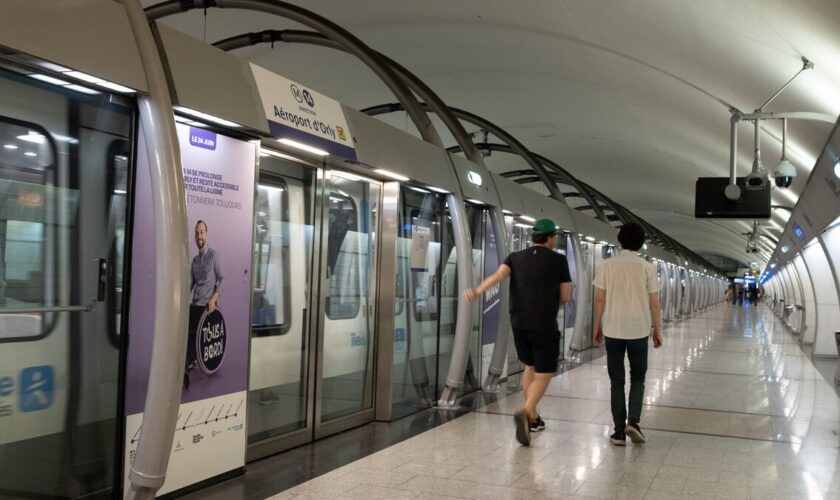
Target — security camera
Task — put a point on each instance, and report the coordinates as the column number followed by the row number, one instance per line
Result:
column 757, row 180
column 784, row 174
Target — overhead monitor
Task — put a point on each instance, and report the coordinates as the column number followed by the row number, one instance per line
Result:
column 710, row 202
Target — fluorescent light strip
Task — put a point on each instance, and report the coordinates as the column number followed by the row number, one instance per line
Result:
column 507, row 212
column 474, row 201
column 303, row 147
column 49, row 79
column 419, row 190
column 206, row 116
column 347, row 175
column 10, row 146
column 529, row 219
column 392, row 175
column 33, row 137
column 30, row 153
column 99, row 81
column 438, row 190
column 81, row 89
column 268, row 152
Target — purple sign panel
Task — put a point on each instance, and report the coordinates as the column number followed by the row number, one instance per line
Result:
column 202, row 138
column 490, row 305
column 219, row 182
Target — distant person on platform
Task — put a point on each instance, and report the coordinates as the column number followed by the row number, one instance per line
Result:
column 205, row 288
column 626, row 305
column 539, row 284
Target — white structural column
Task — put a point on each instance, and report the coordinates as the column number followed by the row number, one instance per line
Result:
column 828, row 314
column 810, row 316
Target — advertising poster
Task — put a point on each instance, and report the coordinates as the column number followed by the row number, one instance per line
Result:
column 210, row 434
column 491, row 302
column 492, row 297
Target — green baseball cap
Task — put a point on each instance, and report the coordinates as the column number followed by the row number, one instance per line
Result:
column 544, row 226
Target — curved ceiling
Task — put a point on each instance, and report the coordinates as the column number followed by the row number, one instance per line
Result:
column 630, row 96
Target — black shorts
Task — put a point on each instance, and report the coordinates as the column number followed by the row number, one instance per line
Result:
column 539, row 349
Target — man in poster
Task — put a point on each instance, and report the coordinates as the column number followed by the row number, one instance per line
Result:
column 205, row 288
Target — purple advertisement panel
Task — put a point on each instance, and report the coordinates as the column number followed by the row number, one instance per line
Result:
column 219, row 181
column 492, row 298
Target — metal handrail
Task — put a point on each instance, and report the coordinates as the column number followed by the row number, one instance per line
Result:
column 49, row 309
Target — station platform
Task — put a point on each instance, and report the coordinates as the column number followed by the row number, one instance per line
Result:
column 734, row 408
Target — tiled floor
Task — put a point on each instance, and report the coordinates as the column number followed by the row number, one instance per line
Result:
column 733, row 409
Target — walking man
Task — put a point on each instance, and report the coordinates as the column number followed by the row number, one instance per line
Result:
column 627, row 296
column 539, row 285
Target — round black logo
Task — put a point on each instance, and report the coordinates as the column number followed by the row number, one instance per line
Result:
column 210, row 341
column 296, row 93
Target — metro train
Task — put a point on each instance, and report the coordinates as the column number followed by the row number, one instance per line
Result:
column 339, row 246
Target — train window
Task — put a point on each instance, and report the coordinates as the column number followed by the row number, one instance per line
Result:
column 270, row 314
column 342, row 265
column 27, row 159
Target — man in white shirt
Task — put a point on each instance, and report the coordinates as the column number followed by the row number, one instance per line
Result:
column 627, row 296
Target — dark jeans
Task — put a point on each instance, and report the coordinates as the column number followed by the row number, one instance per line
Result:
column 637, row 352
column 195, row 317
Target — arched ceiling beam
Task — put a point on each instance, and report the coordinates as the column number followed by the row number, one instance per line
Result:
column 499, row 132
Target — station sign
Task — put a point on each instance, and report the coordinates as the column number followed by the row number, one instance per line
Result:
column 296, row 112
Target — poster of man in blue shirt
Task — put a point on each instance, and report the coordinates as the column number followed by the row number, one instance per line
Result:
column 205, row 289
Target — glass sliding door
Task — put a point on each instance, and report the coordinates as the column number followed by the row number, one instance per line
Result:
column 344, row 386
column 64, row 183
column 282, row 272
column 417, row 306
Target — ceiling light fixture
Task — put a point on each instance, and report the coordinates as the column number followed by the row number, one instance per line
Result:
column 303, row 147
column 392, row 175
column 206, row 116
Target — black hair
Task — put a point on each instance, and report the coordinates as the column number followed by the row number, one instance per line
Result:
column 206, row 229
column 541, row 238
column 631, row 236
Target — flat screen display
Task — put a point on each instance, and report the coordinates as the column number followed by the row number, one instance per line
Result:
column 799, row 232
column 710, row 202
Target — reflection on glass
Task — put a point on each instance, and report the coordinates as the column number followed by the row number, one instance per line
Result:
column 347, row 367
column 417, row 306
column 283, row 235
column 58, row 425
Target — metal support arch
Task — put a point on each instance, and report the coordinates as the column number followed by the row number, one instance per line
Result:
column 163, row 396
column 565, row 175
column 521, row 150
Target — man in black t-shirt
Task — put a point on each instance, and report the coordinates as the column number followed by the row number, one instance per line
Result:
column 539, row 285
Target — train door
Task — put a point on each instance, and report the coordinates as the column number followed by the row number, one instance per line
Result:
column 64, row 155
column 345, row 338
column 313, row 303
column 417, row 305
column 279, row 406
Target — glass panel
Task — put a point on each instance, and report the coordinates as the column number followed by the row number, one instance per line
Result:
column 417, row 305
column 59, row 215
column 282, row 270
column 350, row 212
column 449, row 300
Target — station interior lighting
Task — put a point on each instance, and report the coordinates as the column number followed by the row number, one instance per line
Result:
column 392, row 175
column 207, row 116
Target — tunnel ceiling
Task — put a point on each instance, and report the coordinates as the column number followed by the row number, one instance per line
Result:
column 630, row 96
